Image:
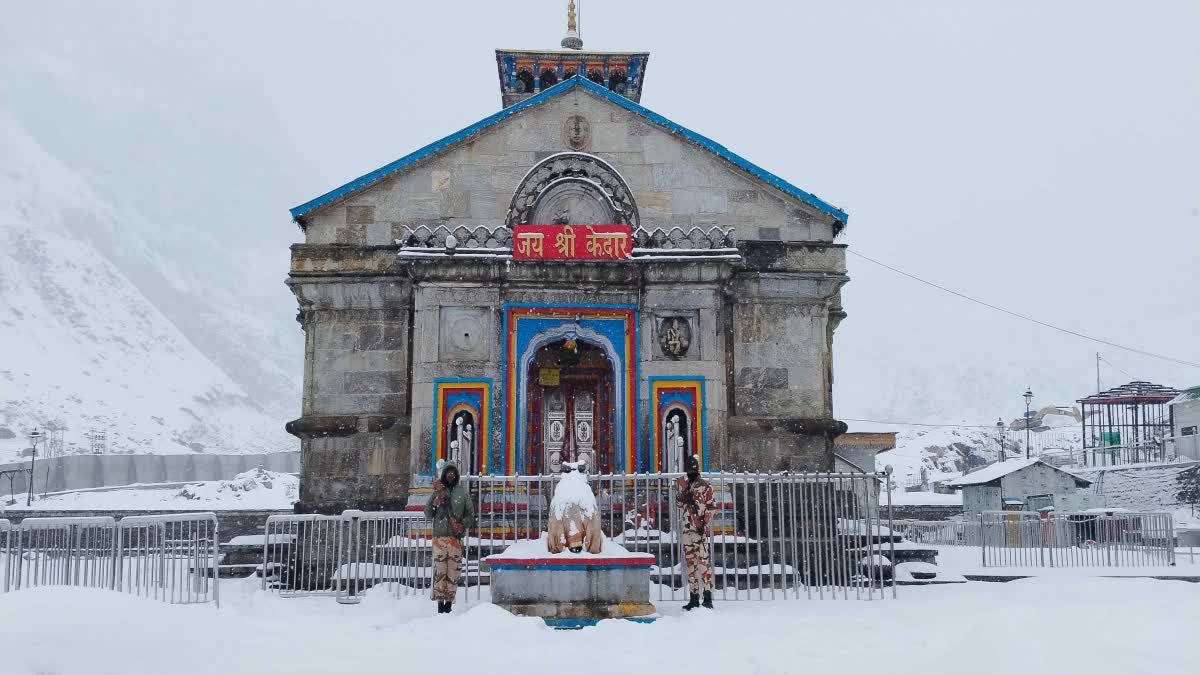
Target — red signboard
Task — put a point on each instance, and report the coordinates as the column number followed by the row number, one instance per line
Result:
column 572, row 242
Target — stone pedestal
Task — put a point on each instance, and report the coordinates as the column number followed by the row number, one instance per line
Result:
column 573, row 590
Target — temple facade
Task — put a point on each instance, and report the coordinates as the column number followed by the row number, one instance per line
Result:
column 573, row 278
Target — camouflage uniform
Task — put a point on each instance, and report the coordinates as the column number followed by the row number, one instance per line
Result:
column 696, row 498
column 450, row 510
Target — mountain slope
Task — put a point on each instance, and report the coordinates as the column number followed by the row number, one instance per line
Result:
column 81, row 344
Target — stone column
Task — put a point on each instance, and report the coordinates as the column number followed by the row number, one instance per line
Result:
column 785, row 305
column 354, row 430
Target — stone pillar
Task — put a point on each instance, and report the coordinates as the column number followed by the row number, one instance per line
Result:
column 785, row 305
column 354, row 430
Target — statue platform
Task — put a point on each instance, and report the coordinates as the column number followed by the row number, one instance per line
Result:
column 572, row 590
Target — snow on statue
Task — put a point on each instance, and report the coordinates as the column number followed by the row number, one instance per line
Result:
column 574, row 515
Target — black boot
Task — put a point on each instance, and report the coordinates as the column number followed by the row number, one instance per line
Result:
column 443, row 607
column 707, row 604
column 693, row 602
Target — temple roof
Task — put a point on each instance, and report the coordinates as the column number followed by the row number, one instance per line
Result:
column 367, row 180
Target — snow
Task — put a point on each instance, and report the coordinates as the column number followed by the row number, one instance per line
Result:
column 88, row 324
column 257, row 489
column 993, row 471
column 902, row 498
column 928, row 630
column 536, row 548
column 573, row 489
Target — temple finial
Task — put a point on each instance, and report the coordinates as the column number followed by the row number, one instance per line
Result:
column 572, row 39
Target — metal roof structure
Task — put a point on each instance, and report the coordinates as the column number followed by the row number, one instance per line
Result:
column 366, row 180
column 1134, row 392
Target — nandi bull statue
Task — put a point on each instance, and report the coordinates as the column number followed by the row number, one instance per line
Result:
column 574, row 514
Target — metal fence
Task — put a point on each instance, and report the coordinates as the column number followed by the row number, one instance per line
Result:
column 64, row 552
column 774, row 535
column 1019, row 539
column 940, row 532
column 301, row 554
column 167, row 557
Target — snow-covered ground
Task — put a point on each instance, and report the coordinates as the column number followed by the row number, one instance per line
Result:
column 1071, row 625
column 254, row 489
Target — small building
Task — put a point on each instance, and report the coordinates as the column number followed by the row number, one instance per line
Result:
column 855, row 451
column 1185, row 418
column 1021, row 485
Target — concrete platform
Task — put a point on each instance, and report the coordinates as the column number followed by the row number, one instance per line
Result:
column 574, row 590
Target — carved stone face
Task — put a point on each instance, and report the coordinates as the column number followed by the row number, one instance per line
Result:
column 573, row 202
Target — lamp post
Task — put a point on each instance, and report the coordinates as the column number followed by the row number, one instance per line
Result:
column 34, row 437
column 1028, row 398
column 1000, row 436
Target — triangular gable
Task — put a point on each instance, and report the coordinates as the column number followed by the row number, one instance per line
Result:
column 369, row 179
column 998, row 470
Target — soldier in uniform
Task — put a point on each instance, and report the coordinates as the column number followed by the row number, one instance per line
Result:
column 696, row 498
column 450, row 510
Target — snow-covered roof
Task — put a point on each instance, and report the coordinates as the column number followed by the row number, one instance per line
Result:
column 999, row 470
column 1189, row 394
column 299, row 212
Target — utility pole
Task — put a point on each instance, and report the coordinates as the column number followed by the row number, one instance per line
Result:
column 1097, row 372
column 1028, row 398
column 1000, row 436
column 34, row 437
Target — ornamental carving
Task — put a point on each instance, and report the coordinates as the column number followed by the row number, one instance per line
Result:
column 572, row 188
column 675, row 336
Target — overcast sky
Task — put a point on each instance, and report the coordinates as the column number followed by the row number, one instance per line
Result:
column 1043, row 156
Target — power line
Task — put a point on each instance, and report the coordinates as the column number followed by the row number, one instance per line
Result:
column 1025, row 317
column 1113, row 365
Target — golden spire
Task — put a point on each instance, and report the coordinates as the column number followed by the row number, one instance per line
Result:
column 572, row 40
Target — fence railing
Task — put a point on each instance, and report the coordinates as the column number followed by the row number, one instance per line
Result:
column 940, row 532
column 301, row 554
column 64, row 552
column 170, row 557
column 773, row 535
column 1019, row 539
column 167, row 557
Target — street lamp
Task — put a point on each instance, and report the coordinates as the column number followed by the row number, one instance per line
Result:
column 1000, row 436
column 34, row 437
column 1028, row 398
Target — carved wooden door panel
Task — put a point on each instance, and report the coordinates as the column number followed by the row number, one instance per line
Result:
column 583, row 425
column 555, row 426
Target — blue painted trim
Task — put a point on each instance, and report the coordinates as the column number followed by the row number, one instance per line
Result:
column 579, row 624
column 637, row 427
column 563, row 87
column 568, row 568
column 702, row 404
column 437, row 427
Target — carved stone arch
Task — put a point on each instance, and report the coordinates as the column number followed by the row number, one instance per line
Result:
column 569, row 178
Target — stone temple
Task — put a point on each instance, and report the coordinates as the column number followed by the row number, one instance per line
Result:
column 574, row 277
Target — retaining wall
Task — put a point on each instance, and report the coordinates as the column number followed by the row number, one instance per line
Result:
column 80, row 472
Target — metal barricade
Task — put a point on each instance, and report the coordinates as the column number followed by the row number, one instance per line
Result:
column 7, row 561
column 1120, row 539
column 169, row 557
column 66, row 552
column 940, row 532
column 773, row 535
column 382, row 548
column 301, row 554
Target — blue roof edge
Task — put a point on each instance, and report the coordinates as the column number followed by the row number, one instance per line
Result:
column 712, row 146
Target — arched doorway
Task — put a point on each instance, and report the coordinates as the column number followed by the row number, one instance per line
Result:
column 570, row 393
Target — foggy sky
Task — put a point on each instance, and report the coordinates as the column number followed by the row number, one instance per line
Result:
column 1041, row 156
